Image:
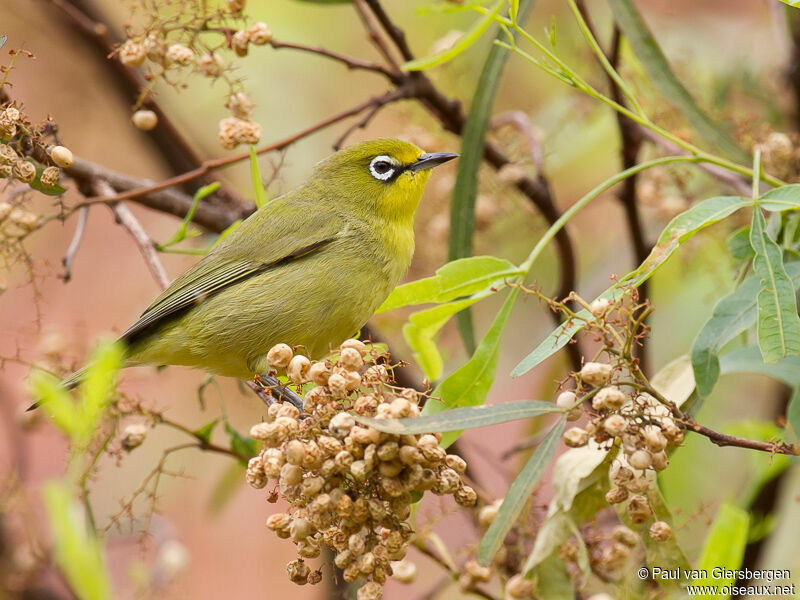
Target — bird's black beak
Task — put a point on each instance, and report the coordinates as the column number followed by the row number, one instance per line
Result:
column 428, row 161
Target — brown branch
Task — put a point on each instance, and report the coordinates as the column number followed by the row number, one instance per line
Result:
column 127, row 219
column 723, row 439
column 375, row 37
column 349, row 61
column 217, row 163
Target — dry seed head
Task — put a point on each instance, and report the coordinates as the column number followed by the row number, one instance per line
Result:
column 24, row 171
column 133, row 436
column 12, row 114
column 240, row 105
column 352, row 380
column 155, row 48
column 279, row 356
column 132, row 53
column 291, row 474
column 260, row 34
column 178, row 54
column 341, row 424
column 300, row 529
column 8, row 128
column 639, row 485
column 575, row 437
column 145, row 120
column 256, row 477
column 616, row 495
column 6, row 171
column 298, row 369
column 294, row 452
column 660, row 461
column 640, row 459
column 350, row 359
column 8, row 156
column 240, row 42
column 456, row 463
column 375, row 374
column 519, row 587
column 279, row 521
column 477, row 572
column 566, row 400
column 234, row 131
column 370, row 591
column 638, row 509
column 660, row 531
column 404, row 571
column 298, row 571
column 596, row 374
column 50, row 176
column 465, row 496
column 611, row 398
column 337, row 385
column 210, row 65
column 621, row 475
column 62, row 156
column 319, row 373
column 614, row 425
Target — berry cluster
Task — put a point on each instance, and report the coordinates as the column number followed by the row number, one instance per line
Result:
column 349, row 486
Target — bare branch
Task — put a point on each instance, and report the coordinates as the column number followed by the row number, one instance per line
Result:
column 146, row 247
column 80, row 229
column 349, row 61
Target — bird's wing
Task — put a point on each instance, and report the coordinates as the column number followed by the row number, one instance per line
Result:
column 227, row 265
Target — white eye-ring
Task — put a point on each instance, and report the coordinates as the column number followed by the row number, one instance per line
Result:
column 382, row 167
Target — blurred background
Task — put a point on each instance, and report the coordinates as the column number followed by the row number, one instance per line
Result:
column 207, row 539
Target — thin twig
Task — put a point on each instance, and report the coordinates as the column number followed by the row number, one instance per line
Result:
column 374, row 35
column 349, row 61
column 127, row 219
column 723, row 439
column 72, row 250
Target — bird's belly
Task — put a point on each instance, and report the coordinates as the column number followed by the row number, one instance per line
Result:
column 226, row 333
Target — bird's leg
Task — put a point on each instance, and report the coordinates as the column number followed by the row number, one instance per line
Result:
column 270, row 389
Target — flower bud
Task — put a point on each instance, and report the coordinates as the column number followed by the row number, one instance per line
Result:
column 145, row 119
column 132, row 53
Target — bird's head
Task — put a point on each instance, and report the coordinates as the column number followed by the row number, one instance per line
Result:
column 384, row 175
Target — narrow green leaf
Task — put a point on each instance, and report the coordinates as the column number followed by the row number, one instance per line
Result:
column 258, row 185
column 465, row 41
column 732, row 315
column 465, row 190
column 423, row 325
column 648, row 52
column 78, row 554
column 739, row 244
column 469, row 384
column 456, row 279
column 749, row 360
column 553, row 581
column 778, row 321
column 518, row 494
column 725, row 544
column 239, row 443
column 793, row 414
column 56, row 403
column 204, row 432
column 463, row 418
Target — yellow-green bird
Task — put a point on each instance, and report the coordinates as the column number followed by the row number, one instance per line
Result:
column 307, row 269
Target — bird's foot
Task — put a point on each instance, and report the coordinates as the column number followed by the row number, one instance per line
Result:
column 269, row 389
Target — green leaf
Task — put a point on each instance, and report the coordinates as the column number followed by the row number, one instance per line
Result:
column 553, row 581
column 423, row 325
column 258, row 185
column 465, row 41
column 739, row 244
column 725, row 544
column 53, row 190
column 732, row 315
column 793, row 414
column 469, row 384
column 518, row 495
column 465, row 190
column 204, row 433
column 181, row 234
column 463, row 418
column 78, row 554
column 239, row 443
column 646, row 50
column 98, row 384
column 456, row 279
column 749, row 360
column 778, row 321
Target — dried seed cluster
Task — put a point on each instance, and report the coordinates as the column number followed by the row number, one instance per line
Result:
column 178, row 41
column 14, row 129
column 349, row 485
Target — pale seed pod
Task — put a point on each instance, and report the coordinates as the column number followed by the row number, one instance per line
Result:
column 616, row 495
column 240, row 105
column 12, row 114
column 6, row 171
column 456, row 463
column 356, row 545
column 315, row 576
column 611, row 398
column 399, row 408
column 600, row 306
column 210, row 65
column 615, row 425
column 596, row 374
column 24, row 171
column 240, row 42
column 343, row 559
column 465, row 496
column 145, row 120
column 352, row 380
column 375, row 374
column 298, row 369
column 638, row 509
column 370, row 591
column 519, row 587
column 279, row 521
column 640, row 459
column 660, row 531
column 308, row 549
column 410, row 455
column 575, row 437
column 621, row 475
column 338, row 385
column 365, row 435
column 448, row 482
column 655, row 440
column 291, row 474
column 488, row 513
column 298, row 571
column 639, row 485
column 300, row 529
column 359, row 470
column 566, row 400
column 626, row 536
column 133, row 436
column 8, row 156
column 294, row 451
column 341, row 424
column 132, row 53
column 62, row 156
column 660, row 461
column 390, row 469
column 279, row 356
column 260, row 34
column 404, row 571
column 319, row 373
column 311, row 486
column 178, row 54
column 350, row 359
column 575, row 414
column 355, row 344
column 477, row 572
column 155, row 48
column 366, row 564
column 50, row 176
column 351, row 572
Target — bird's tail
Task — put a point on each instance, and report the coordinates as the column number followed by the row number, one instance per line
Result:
column 70, row 383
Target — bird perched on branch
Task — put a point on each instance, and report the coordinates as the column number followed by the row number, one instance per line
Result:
column 307, row 269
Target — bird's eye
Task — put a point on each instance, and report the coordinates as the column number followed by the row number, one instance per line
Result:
column 382, row 168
